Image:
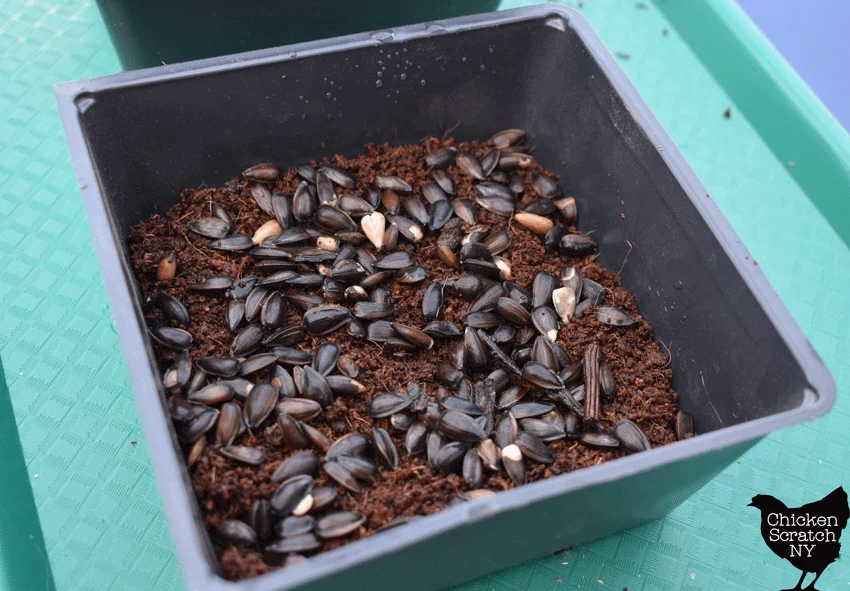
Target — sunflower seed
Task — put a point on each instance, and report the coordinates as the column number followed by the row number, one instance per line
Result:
column 235, row 532
column 384, row 405
column 167, row 267
column 471, row 166
column 384, row 448
column 533, row 448
column 213, row 284
column 506, row 430
column 229, row 424
column 341, row 476
column 287, row 546
column 212, row 394
column 291, row 432
column 340, row 177
column 209, row 227
column 600, row 440
column 295, row 526
column 459, row 426
column 173, row 338
column 508, row 137
column 290, row 493
column 449, row 459
column 512, row 311
column 514, row 466
column 564, row 300
column 684, row 425
column 246, row 341
column 613, row 316
column 545, row 321
column 441, row 157
column 415, row 438
column 225, row 367
column 464, row 210
column 323, row 320
column 577, row 244
column 525, row 410
column 244, row 454
column 541, row 377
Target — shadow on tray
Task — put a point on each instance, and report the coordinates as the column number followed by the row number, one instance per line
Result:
column 23, row 555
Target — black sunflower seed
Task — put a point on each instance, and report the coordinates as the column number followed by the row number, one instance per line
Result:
column 600, row 440
column 323, row 320
column 512, row 311
column 213, row 284
column 214, row 228
column 415, row 438
column 384, row 448
column 533, row 448
column 545, row 320
column 173, row 338
column 341, row 476
column 684, row 425
column 459, row 426
column 441, row 157
column 432, row 301
column 340, row 177
column 541, row 377
column 235, row 532
column 471, row 166
column 384, row 405
column 442, row 329
column 225, row 367
column 299, row 463
column 630, row 436
column 337, row 525
column 212, row 394
column 577, row 244
column 295, row 526
column 244, row 454
column 290, row 493
column 613, row 316
column 235, row 243
column 260, row 402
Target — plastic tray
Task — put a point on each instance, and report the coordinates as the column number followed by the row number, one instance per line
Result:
column 742, row 366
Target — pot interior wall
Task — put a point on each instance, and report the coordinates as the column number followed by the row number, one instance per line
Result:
column 149, row 141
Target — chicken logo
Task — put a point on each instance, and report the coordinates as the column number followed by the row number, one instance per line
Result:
column 808, row 536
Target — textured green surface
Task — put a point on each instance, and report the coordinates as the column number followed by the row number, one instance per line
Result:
column 97, row 500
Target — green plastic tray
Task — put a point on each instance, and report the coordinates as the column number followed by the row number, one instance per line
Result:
column 779, row 168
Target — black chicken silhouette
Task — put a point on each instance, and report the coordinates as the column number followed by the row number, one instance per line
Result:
column 781, row 528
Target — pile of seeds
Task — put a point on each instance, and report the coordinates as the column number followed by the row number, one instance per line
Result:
column 349, row 345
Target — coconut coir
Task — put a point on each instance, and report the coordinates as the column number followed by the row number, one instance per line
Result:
column 226, row 489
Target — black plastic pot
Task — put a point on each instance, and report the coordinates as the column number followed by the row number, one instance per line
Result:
column 149, row 33
column 740, row 363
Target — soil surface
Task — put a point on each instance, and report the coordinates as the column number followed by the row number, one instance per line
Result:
column 226, row 489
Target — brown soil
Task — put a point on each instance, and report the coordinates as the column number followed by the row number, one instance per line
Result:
column 226, row 490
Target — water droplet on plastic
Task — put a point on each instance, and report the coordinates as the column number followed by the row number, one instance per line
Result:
column 422, row 82
column 332, row 82
column 678, row 285
column 379, row 83
column 329, row 116
column 328, row 95
column 301, row 97
column 403, row 76
column 491, row 50
column 303, row 116
column 483, row 67
column 380, row 73
column 384, row 68
column 396, row 91
column 463, row 59
column 380, row 62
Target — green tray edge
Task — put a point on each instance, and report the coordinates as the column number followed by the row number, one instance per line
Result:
column 792, row 121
